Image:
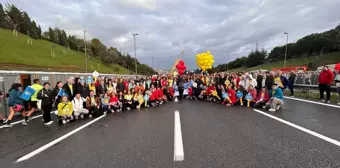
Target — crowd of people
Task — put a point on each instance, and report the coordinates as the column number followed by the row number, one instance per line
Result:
column 77, row 99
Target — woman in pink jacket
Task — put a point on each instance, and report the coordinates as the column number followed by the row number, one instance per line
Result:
column 262, row 98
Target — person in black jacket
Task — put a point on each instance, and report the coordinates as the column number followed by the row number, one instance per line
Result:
column 180, row 85
column 46, row 102
column 120, row 86
column 56, row 97
column 70, row 88
column 291, row 79
column 270, row 80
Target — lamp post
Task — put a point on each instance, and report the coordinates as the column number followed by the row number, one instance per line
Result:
column 152, row 62
column 134, row 40
column 227, row 63
column 284, row 64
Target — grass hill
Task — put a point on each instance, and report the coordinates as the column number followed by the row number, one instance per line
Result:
column 330, row 58
column 16, row 54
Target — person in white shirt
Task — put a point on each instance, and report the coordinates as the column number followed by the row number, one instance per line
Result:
column 78, row 107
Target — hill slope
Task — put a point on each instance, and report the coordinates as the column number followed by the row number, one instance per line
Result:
column 15, row 54
column 330, row 58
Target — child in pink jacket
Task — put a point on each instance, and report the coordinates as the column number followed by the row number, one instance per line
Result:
column 262, row 98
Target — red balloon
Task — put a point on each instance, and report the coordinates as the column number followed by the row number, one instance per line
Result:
column 181, row 72
column 181, row 67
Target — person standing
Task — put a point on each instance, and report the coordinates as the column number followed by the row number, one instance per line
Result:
column 180, row 84
column 46, row 103
column 33, row 101
column 325, row 79
column 291, row 79
column 15, row 104
column 70, row 88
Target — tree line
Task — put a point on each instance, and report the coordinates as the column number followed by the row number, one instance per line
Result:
column 308, row 46
column 18, row 20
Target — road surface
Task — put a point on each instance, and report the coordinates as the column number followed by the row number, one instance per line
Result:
column 302, row 135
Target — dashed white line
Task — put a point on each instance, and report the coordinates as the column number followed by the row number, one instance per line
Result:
column 178, row 142
column 313, row 102
column 330, row 140
column 41, row 149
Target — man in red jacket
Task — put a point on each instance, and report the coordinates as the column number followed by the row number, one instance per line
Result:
column 325, row 80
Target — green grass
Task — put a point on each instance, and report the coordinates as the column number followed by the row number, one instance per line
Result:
column 15, row 54
column 330, row 58
column 314, row 96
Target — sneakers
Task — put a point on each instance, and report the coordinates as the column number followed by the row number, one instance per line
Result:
column 63, row 121
column 29, row 119
column 67, row 120
column 328, row 102
column 104, row 113
column 49, row 123
column 272, row 110
column 76, row 117
column 24, row 123
column 264, row 107
column 90, row 116
column 128, row 108
column 5, row 120
column 8, row 125
column 278, row 107
column 82, row 116
column 322, row 101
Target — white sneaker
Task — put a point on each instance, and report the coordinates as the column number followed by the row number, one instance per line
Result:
column 8, row 125
column 128, row 108
column 328, row 102
column 49, row 123
column 5, row 120
column 23, row 122
column 64, row 122
column 264, row 107
column 278, row 107
column 67, row 120
column 272, row 110
column 105, row 113
column 90, row 116
column 82, row 116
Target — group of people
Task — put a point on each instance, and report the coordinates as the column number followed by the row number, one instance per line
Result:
column 77, row 99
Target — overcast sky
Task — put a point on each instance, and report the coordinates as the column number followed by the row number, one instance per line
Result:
column 166, row 27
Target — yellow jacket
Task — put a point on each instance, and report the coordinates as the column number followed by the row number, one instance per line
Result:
column 65, row 109
column 37, row 88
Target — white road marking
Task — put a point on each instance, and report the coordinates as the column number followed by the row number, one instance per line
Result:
column 178, row 142
column 18, row 122
column 41, row 149
column 314, row 102
column 330, row 140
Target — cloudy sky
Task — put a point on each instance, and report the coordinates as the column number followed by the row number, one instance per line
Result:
column 166, row 27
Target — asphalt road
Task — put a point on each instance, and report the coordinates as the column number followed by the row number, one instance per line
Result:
column 213, row 136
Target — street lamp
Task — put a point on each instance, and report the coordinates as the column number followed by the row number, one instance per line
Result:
column 134, row 40
column 152, row 62
column 284, row 64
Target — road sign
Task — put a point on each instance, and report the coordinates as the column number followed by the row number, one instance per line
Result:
column 95, row 74
column 44, row 78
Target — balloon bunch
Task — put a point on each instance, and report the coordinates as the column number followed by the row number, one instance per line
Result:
column 205, row 60
column 181, row 67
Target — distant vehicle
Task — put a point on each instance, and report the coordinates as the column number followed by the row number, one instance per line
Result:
column 299, row 69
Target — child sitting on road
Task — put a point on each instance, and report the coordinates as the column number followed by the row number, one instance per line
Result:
column 115, row 104
column 65, row 110
column 93, row 104
column 276, row 98
column 105, row 103
column 262, row 98
column 128, row 101
column 78, row 107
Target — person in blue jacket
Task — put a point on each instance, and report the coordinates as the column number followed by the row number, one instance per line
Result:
column 15, row 104
column 276, row 98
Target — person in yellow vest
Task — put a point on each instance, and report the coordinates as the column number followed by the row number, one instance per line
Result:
column 33, row 101
column 65, row 110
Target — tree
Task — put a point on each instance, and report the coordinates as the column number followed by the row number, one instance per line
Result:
column 51, row 35
column 39, row 32
column 26, row 24
column 34, row 30
column 3, row 18
column 15, row 16
column 97, row 46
